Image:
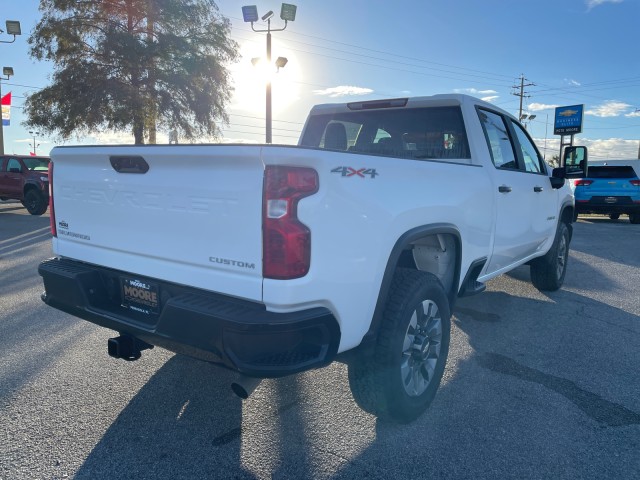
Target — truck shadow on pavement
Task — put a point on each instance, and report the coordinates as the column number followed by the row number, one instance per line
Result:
column 186, row 423
column 170, row 427
column 520, row 381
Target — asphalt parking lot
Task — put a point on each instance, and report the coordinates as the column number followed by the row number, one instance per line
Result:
column 537, row 386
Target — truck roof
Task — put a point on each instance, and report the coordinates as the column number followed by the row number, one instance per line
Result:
column 439, row 100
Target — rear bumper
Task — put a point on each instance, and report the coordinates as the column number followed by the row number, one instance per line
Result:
column 237, row 334
column 606, row 205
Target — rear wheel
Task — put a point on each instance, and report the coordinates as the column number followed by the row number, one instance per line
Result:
column 614, row 216
column 634, row 217
column 399, row 378
column 548, row 272
column 34, row 202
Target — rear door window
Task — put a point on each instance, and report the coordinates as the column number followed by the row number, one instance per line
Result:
column 498, row 139
column 530, row 155
column 14, row 164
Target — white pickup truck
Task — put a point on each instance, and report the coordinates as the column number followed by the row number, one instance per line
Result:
column 271, row 260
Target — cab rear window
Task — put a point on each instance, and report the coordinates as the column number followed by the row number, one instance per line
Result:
column 413, row 133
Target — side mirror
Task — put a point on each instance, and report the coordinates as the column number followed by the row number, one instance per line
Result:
column 575, row 163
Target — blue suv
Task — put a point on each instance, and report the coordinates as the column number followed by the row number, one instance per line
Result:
column 611, row 188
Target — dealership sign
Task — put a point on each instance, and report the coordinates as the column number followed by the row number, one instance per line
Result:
column 568, row 120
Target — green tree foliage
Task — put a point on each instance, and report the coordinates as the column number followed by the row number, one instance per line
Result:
column 132, row 65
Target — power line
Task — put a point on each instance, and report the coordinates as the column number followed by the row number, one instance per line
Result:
column 460, row 75
column 616, row 83
column 391, row 54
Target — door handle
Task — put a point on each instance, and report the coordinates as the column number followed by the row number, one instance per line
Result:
column 504, row 189
column 538, row 189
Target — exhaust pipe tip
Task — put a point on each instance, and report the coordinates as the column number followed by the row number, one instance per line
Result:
column 244, row 386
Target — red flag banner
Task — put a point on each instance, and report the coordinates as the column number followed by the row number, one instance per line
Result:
column 6, row 109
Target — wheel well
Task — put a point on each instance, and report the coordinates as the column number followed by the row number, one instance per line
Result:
column 28, row 187
column 567, row 217
column 436, row 249
column 435, row 254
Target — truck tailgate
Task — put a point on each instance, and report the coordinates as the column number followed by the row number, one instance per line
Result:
column 194, row 218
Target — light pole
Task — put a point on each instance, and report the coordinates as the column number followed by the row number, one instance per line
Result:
column 35, row 153
column 6, row 72
column 288, row 14
column 13, row 28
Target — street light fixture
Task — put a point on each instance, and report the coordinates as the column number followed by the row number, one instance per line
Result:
column 528, row 119
column 288, row 12
column 250, row 15
column 6, row 72
column 13, row 28
column 281, row 62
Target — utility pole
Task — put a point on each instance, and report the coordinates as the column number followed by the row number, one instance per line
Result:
column 521, row 92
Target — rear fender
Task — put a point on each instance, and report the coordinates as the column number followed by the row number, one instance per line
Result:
column 404, row 243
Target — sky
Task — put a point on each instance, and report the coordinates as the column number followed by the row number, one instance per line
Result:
column 569, row 52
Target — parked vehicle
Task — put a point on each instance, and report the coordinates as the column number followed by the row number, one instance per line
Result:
column 353, row 246
column 612, row 188
column 25, row 178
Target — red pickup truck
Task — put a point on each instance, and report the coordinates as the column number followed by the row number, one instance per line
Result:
column 25, row 178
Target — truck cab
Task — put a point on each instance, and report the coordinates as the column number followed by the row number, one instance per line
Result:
column 25, row 178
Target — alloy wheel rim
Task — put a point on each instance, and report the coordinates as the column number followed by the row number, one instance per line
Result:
column 421, row 348
column 562, row 256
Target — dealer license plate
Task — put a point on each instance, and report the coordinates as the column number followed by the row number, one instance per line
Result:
column 140, row 296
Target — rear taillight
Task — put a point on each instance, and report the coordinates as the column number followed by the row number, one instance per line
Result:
column 52, row 213
column 635, row 183
column 286, row 242
column 583, row 183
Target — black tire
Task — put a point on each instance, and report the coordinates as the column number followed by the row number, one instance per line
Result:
column 614, row 216
column 634, row 218
column 399, row 377
column 35, row 202
column 548, row 272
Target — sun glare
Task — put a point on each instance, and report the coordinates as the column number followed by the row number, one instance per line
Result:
column 251, row 73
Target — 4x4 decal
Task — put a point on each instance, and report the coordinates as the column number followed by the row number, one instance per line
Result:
column 352, row 172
